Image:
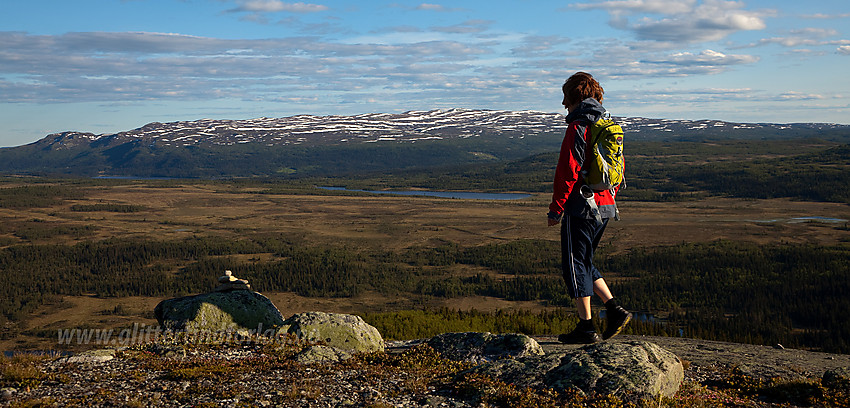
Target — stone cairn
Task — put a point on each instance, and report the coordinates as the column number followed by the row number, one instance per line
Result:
column 228, row 282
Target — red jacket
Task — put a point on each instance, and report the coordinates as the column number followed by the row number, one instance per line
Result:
column 568, row 179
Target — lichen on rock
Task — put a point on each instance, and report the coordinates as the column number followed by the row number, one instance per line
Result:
column 477, row 347
column 636, row 368
column 241, row 311
column 319, row 354
column 342, row 331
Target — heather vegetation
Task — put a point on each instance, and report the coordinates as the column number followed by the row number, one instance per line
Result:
column 141, row 376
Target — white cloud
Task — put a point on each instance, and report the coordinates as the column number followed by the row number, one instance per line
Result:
column 705, row 96
column 705, row 58
column 786, row 41
column 467, row 27
column 430, row 7
column 540, row 46
column 275, row 6
column 426, row 67
column 258, row 11
column 680, row 21
column 800, row 96
column 640, row 6
column 436, row 7
column 404, row 29
column 821, row 16
column 644, row 60
column 472, row 63
column 691, row 95
column 140, row 66
column 799, row 37
column 815, row 32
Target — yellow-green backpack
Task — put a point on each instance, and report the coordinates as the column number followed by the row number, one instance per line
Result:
column 605, row 163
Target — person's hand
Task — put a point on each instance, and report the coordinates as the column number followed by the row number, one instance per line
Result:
column 552, row 222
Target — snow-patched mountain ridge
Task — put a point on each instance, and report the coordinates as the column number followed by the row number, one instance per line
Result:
column 411, row 126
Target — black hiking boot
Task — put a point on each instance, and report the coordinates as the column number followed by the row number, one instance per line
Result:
column 580, row 336
column 617, row 319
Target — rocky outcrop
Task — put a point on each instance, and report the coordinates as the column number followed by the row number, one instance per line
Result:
column 319, row 354
column 259, row 378
column 484, row 347
column 632, row 368
column 238, row 310
column 232, row 306
column 837, row 376
column 91, row 356
column 341, row 331
column 629, row 369
column 228, row 282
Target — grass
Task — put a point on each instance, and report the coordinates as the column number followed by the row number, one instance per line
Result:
column 119, row 208
column 21, row 370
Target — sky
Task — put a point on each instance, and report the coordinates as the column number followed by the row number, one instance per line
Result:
column 104, row 66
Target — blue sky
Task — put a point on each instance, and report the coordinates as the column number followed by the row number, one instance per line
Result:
column 104, row 66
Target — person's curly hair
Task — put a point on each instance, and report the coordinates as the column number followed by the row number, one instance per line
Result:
column 581, row 86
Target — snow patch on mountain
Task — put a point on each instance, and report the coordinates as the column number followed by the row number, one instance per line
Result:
column 407, row 127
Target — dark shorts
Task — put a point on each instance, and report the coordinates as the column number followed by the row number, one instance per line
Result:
column 579, row 239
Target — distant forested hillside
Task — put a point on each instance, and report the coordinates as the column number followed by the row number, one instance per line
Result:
column 137, row 159
column 662, row 171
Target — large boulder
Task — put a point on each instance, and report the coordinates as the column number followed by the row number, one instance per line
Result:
column 341, row 331
column 836, row 377
column 242, row 311
column 625, row 369
column 483, row 347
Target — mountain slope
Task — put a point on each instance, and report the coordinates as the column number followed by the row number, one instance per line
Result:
column 332, row 145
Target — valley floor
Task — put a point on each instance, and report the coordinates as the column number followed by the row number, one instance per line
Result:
column 370, row 222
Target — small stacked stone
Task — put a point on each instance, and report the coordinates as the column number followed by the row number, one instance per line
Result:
column 229, row 282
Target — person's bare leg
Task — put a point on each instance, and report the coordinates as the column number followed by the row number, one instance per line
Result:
column 583, row 307
column 601, row 290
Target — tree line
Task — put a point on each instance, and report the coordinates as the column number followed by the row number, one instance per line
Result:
column 791, row 294
column 661, row 171
column 419, row 324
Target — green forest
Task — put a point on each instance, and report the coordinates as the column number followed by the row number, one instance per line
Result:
column 781, row 293
column 660, row 171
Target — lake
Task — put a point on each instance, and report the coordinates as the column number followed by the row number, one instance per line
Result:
column 804, row 219
column 442, row 194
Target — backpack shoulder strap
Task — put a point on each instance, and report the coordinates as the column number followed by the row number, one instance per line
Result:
column 600, row 126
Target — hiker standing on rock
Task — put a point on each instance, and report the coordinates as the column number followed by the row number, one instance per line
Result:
column 583, row 211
